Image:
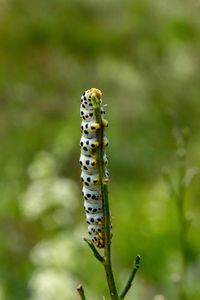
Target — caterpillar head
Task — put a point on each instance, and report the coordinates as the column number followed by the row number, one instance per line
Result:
column 93, row 92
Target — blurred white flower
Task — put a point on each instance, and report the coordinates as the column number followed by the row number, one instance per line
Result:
column 175, row 278
column 43, row 166
column 159, row 297
column 49, row 284
column 45, row 193
column 46, row 190
column 56, row 253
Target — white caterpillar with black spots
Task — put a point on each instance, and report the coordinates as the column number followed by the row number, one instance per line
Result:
column 89, row 145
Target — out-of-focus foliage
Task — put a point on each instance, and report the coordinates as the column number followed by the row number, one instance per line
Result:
column 144, row 56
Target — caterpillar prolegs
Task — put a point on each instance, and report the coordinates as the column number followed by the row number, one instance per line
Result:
column 92, row 141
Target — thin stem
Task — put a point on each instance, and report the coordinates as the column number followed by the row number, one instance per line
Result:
column 131, row 278
column 179, row 194
column 107, row 249
column 104, row 191
column 94, row 250
column 80, row 290
column 183, row 225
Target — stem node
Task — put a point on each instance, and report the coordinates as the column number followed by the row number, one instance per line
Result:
column 131, row 277
column 81, row 292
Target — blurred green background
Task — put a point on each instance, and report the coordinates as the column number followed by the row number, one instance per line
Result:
column 145, row 57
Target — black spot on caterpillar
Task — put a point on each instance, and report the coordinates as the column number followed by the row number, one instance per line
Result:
column 89, row 164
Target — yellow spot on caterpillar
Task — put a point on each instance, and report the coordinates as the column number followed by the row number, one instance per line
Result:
column 105, row 180
column 95, row 145
column 105, row 143
column 96, row 180
column 100, row 234
column 95, row 126
column 105, row 123
column 105, row 161
column 101, row 242
column 94, row 162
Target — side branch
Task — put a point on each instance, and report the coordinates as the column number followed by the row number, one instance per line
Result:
column 80, row 290
column 94, row 250
column 131, row 278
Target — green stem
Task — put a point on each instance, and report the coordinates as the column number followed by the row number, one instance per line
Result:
column 183, row 226
column 80, row 290
column 107, row 249
column 131, row 278
column 94, row 250
column 179, row 194
column 106, row 211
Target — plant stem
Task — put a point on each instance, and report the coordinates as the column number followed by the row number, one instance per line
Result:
column 104, row 191
column 80, row 290
column 131, row 278
column 107, row 249
column 179, row 194
column 182, row 225
column 94, row 250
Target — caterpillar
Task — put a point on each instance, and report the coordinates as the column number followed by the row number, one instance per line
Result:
column 90, row 144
